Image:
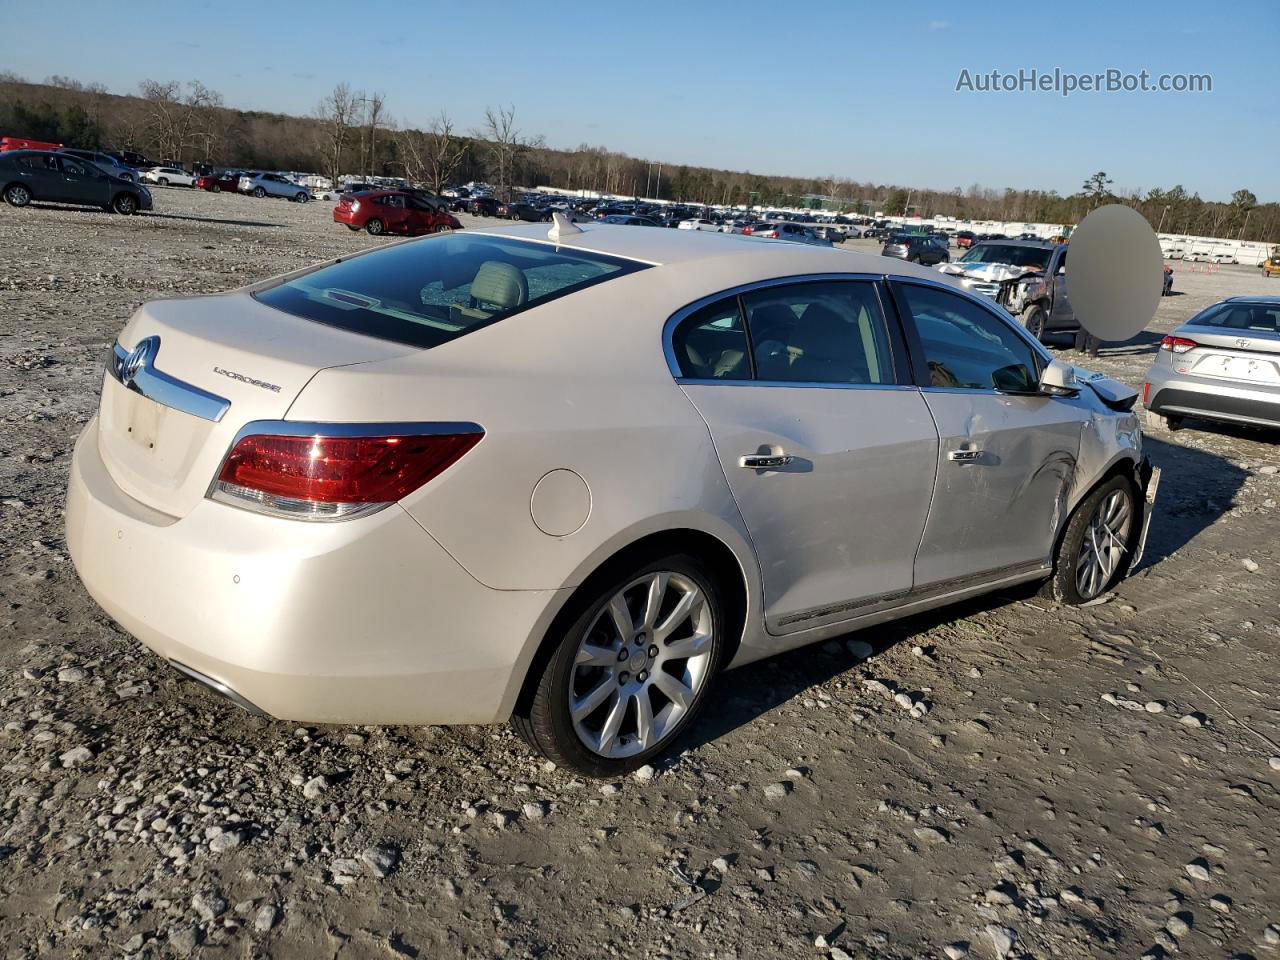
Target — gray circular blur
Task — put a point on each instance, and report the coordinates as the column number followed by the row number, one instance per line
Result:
column 1116, row 272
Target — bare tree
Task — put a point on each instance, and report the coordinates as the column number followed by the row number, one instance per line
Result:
column 336, row 114
column 434, row 156
column 504, row 142
column 375, row 105
column 175, row 120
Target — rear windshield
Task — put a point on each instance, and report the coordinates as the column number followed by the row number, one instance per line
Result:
column 1254, row 317
column 439, row 288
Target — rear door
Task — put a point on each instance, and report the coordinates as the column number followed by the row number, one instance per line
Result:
column 830, row 456
column 42, row 175
column 1007, row 453
column 1062, row 316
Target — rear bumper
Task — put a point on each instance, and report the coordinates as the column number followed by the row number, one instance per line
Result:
column 345, row 216
column 1225, row 400
column 368, row 621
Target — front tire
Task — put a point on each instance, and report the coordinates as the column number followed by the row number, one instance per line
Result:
column 1034, row 319
column 125, row 204
column 1095, row 549
column 375, row 227
column 17, row 195
column 632, row 670
column 300, row 197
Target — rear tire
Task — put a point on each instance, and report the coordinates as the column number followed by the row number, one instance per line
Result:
column 375, row 227
column 1095, row 550
column 353, row 229
column 17, row 195
column 163, row 181
column 215, row 189
column 684, row 661
column 259, row 192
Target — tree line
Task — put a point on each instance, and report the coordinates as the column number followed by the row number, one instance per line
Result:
column 354, row 132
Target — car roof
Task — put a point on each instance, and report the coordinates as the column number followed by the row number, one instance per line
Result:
column 1010, row 242
column 1268, row 299
column 749, row 257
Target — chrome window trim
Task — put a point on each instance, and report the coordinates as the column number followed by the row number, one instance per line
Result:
column 821, row 384
column 673, row 321
column 136, row 370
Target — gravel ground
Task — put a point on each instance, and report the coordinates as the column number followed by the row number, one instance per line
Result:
column 1085, row 782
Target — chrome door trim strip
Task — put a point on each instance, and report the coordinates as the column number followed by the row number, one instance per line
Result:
column 136, row 370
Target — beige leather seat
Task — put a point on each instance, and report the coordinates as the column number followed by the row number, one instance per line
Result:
column 497, row 287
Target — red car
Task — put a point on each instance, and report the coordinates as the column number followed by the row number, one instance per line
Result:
column 393, row 211
column 964, row 238
column 217, row 182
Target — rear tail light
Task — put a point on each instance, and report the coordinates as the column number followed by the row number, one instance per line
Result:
column 1146, row 392
column 328, row 477
column 1178, row 344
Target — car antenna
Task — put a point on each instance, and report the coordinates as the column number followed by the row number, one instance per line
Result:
column 561, row 226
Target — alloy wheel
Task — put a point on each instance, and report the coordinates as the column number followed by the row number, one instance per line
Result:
column 1106, row 540
column 641, row 665
column 18, row 195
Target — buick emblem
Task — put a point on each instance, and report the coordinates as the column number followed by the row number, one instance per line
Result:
column 139, row 357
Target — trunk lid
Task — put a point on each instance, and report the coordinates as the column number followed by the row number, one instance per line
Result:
column 1248, row 355
column 230, row 346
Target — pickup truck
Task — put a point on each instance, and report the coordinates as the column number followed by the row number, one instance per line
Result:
column 1026, row 277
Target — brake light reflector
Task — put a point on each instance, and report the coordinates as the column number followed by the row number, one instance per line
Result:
column 1177, row 344
column 319, row 477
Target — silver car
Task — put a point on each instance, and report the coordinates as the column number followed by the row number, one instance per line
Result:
column 274, row 185
column 1222, row 364
column 426, row 484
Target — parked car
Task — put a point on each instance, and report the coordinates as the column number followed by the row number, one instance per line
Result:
column 525, row 211
column 627, row 220
column 699, row 223
column 104, row 162
column 393, row 211
column 217, row 182
column 273, row 185
column 1271, row 265
column 22, row 143
column 167, row 176
column 1027, row 277
column 1223, row 364
column 394, row 494
column 784, row 230
column 482, row 206
column 964, row 238
column 915, row 248
column 27, row 175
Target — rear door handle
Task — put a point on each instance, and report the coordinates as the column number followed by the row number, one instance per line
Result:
column 764, row 461
column 964, row 456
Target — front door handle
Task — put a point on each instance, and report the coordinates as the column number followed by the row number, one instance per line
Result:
column 765, row 461
column 964, row 456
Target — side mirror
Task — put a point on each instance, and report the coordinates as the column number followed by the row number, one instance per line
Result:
column 1058, row 379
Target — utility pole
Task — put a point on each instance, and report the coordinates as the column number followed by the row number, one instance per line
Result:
column 1247, row 215
column 657, row 189
column 1161, row 224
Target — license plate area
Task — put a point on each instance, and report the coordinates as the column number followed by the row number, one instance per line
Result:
column 1228, row 367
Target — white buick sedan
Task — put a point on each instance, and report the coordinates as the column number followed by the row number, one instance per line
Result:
column 569, row 478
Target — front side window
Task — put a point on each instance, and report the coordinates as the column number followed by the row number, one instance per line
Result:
column 71, row 167
column 434, row 290
column 966, row 346
column 824, row 332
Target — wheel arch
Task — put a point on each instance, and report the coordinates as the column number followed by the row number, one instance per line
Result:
column 723, row 563
column 1127, row 464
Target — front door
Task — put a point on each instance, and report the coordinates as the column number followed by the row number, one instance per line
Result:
column 829, row 454
column 1007, row 453
column 82, row 182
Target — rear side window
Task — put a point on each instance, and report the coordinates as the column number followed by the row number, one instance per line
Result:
column 828, row 332
column 711, row 343
column 440, row 288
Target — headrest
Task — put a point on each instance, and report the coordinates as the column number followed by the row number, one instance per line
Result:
column 499, row 284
